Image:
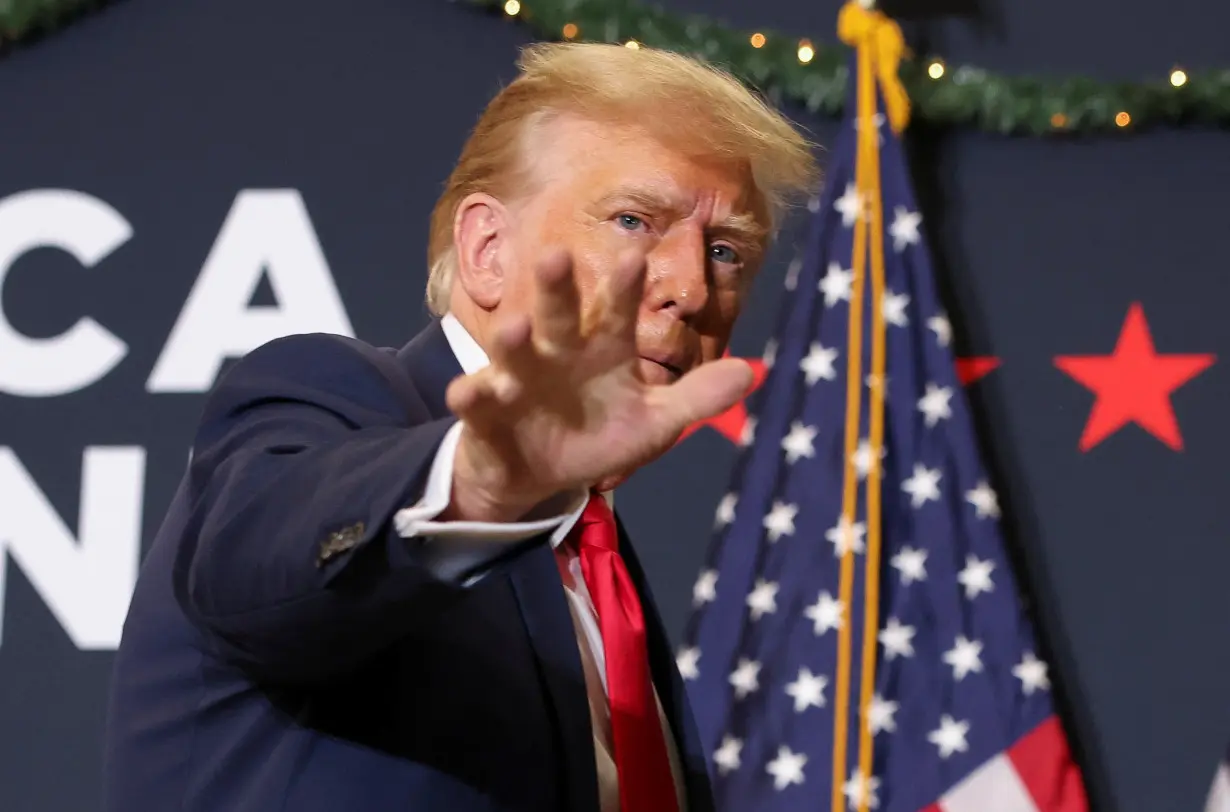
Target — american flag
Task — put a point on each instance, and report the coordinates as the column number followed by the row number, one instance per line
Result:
column 960, row 714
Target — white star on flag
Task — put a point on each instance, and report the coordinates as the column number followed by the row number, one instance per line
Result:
column 818, row 363
column 857, row 788
column 1032, row 673
column 934, row 404
column 911, row 563
column 799, row 443
column 904, row 229
column 749, row 431
column 807, row 690
column 726, row 757
column 976, row 577
column 893, row 307
column 780, row 520
column 851, row 206
column 924, row 486
column 846, row 535
column 984, row 500
column 965, row 657
column 942, row 329
column 792, row 273
column 950, row 736
column 897, row 639
column 705, row 588
column 762, row 600
column 880, row 715
column 725, row 513
column 770, row 353
column 826, row 613
column 836, row 284
column 787, row 768
column 686, row 661
column 863, row 458
column 745, row 678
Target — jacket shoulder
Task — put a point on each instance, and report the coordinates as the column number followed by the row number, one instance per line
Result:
column 344, row 375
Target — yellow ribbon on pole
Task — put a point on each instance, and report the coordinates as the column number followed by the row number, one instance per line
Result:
column 870, row 31
column 879, row 47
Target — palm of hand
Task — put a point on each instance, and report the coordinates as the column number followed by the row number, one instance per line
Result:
column 562, row 406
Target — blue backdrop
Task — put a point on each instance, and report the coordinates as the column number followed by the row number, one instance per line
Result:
column 180, row 180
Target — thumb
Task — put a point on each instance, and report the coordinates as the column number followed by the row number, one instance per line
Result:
column 705, row 392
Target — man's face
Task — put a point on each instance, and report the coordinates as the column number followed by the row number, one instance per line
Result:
column 602, row 189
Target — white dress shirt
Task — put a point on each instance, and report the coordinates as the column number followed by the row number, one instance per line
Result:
column 419, row 521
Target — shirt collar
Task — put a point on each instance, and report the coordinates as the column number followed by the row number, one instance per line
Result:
column 471, row 356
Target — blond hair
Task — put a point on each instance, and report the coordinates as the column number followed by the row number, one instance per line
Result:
column 684, row 101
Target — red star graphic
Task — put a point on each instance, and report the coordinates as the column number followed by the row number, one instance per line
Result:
column 1133, row 384
column 730, row 423
column 971, row 369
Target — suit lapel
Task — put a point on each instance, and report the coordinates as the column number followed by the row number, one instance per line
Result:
column 544, row 608
column 671, row 690
column 431, row 365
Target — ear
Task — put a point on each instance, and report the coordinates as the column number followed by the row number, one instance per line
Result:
column 478, row 228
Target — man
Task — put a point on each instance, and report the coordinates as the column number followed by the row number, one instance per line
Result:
column 386, row 581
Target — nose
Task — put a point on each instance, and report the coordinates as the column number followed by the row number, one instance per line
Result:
column 678, row 275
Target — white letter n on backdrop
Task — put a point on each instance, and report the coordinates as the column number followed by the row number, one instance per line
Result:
column 87, row 581
column 267, row 232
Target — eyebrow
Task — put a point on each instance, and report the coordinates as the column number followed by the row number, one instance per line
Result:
column 743, row 228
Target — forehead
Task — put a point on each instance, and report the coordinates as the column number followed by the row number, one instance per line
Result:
column 589, row 159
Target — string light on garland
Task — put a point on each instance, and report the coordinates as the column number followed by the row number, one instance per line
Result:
column 942, row 93
column 632, row 45
column 512, row 8
column 806, row 52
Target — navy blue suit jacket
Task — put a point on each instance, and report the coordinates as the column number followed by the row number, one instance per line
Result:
column 286, row 650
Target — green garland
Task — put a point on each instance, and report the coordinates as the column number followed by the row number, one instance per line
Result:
column 962, row 96
column 24, row 20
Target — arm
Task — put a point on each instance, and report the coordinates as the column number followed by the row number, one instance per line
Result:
column 292, row 562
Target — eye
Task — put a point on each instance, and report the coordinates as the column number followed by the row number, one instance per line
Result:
column 630, row 222
column 724, row 253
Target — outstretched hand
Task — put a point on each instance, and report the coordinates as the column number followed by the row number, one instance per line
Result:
column 562, row 405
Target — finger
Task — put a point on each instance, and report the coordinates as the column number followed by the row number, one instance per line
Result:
column 511, row 344
column 557, row 307
column 705, row 392
column 483, row 396
column 622, row 293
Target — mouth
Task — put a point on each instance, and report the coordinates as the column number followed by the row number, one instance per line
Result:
column 655, row 369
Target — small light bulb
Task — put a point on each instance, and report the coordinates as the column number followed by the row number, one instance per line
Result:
column 633, row 45
column 1123, row 119
column 512, row 8
column 758, row 40
column 571, row 31
column 1178, row 77
column 1059, row 120
column 936, row 69
column 806, row 52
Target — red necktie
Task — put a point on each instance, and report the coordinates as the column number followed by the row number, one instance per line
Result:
column 645, row 780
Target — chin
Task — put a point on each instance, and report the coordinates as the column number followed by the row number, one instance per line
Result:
column 610, row 483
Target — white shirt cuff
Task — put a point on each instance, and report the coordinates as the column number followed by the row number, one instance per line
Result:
column 417, row 520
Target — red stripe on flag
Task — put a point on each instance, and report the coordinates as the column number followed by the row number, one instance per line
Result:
column 1044, row 763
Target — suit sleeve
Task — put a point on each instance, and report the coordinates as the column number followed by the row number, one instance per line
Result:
column 291, row 563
